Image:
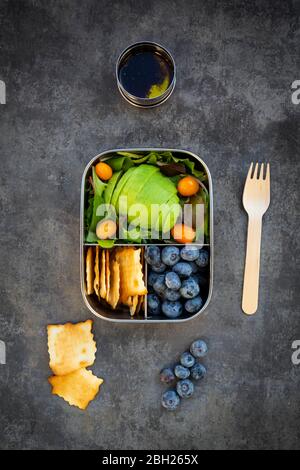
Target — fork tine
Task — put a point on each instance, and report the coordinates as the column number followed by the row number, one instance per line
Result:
column 268, row 173
column 261, row 172
column 249, row 172
column 255, row 171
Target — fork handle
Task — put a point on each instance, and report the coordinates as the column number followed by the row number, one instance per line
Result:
column 252, row 264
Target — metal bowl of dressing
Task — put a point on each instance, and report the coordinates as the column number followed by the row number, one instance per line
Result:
column 146, row 74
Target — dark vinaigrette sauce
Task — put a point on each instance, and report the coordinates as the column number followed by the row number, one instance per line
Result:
column 145, row 74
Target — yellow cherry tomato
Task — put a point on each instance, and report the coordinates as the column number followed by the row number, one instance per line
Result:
column 188, row 186
column 106, row 229
column 183, row 233
column 104, row 171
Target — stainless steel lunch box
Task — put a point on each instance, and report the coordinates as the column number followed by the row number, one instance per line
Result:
column 146, row 102
column 120, row 316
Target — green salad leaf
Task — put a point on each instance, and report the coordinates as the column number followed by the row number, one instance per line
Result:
column 98, row 199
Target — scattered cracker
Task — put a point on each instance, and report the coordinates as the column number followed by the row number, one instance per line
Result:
column 89, row 271
column 71, row 347
column 77, row 388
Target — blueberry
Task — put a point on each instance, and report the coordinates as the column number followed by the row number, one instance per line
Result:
column 172, row 280
column 181, row 372
column 171, row 294
column 159, row 285
column 172, row 309
column 199, row 348
column 153, row 304
column 152, row 276
column 170, row 255
column 189, row 253
column 187, row 360
column 203, row 259
column 152, row 255
column 170, row 400
column 194, row 267
column 193, row 305
column 167, row 375
column 185, row 388
column 198, row 371
column 189, row 288
column 183, row 269
column 159, row 268
column 200, row 279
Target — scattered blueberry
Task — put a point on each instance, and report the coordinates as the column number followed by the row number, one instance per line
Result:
column 203, row 259
column 152, row 276
column 181, row 372
column 170, row 255
column 185, row 388
column 193, row 305
column 187, row 360
column 183, row 269
column 159, row 268
column 170, row 400
column 171, row 294
column 172, row 309
column 167, row 376
column 153, row 304
column 152, row 255
column 199, row 348
column 172, row 280
column 198, row 371
column 189, row 288
column 159, row 285
column 189, row 253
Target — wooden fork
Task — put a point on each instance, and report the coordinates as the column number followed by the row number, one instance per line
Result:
column 256, row 200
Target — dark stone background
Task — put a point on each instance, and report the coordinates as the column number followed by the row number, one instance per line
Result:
column 236, row 62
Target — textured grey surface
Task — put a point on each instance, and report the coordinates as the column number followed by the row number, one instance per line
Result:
column 232, row 104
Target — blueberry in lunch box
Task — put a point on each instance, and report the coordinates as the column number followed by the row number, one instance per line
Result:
column 152, row 276
column 198, row 371
column 172, row 280
column 193, row 305
column 189, row 253
column 153, row 304
column 194, row 267
column 201, row 280
column 167, row 375
column 172, row 309
column 187, row 360
column 152, row 255
column 203, row 259
column 183, row 269
column 159, row 285
column 199, row 348
column 170, row 400
column 181, row 372
column 189, row 288
column 170, row 255
column 185, row 388
column 159, row 268
column 171, row 294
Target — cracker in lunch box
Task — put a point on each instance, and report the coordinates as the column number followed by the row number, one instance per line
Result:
column 71, row 347
column 114, row 292
column 107, row 274
column 97, row 271
column 134, row 305
column 89, row 271
column 103, row 276
column 131, row 273
column 77, row 388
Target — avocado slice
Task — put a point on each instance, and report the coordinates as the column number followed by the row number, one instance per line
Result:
column 111, row 186
column 120, row 185
column 138, row 180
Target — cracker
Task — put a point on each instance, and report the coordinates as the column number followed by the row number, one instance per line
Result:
column 114, row 293
column 103, row 276
column 71, row 347
column 77, row 388
column 89, row 271
column 134, row 305
column 107, row 274
column 97, row 271
column 131, row 273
